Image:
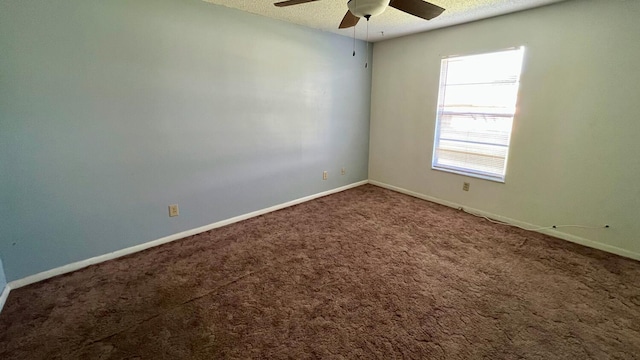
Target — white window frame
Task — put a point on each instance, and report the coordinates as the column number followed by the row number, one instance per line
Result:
column 505, row 113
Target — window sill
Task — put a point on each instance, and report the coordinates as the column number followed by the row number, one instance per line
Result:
column 470, row 174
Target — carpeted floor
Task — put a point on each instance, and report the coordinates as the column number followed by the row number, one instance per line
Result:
column 366, row 273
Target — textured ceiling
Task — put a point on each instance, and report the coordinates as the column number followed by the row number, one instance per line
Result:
column 327, row 14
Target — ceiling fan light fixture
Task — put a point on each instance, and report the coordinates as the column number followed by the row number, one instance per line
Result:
column 363, row 8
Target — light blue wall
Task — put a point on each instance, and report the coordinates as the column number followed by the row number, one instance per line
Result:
column 112, row 110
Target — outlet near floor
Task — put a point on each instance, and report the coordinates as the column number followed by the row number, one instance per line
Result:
column 325, row 175
column 465, row 186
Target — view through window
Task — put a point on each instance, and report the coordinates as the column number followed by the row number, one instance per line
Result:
column 476, row 106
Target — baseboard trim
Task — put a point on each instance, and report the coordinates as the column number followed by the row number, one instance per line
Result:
column 4, row 296
column 137, row 248
column 550, row 232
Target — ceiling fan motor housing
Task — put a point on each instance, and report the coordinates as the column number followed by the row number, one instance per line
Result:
column 363, row 8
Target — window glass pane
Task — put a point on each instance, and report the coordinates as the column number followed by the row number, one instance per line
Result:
column 476, row 128
column 501, row 97
column 496, row 67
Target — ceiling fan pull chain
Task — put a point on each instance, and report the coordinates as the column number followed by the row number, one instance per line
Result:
column 354, row 40
column 366, row 64
column 354, row 34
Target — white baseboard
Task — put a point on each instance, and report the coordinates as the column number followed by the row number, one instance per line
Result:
column 134, row 249
column 550, row 232
column 130, row 250
column 4, row 296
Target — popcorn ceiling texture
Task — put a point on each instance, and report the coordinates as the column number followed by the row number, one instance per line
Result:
column 327, row 14
column 367, row 273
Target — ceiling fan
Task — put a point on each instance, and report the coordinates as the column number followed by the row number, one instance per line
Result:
column 368, row 8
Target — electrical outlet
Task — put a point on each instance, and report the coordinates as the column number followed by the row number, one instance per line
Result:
column 343, row 171
column 173, row 210
column 465, row 186
column 325, row 175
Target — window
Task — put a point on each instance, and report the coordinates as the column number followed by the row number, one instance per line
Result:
column 476, row 106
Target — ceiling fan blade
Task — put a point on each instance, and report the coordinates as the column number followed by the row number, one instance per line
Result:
column 348, row 21
column 292, row 2
column 419, row 8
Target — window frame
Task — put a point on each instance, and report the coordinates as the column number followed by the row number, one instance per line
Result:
column 442, row 85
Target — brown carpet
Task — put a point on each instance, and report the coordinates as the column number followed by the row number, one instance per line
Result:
column 366, row 273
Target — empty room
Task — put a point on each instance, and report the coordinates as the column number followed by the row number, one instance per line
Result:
column 319, row 179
